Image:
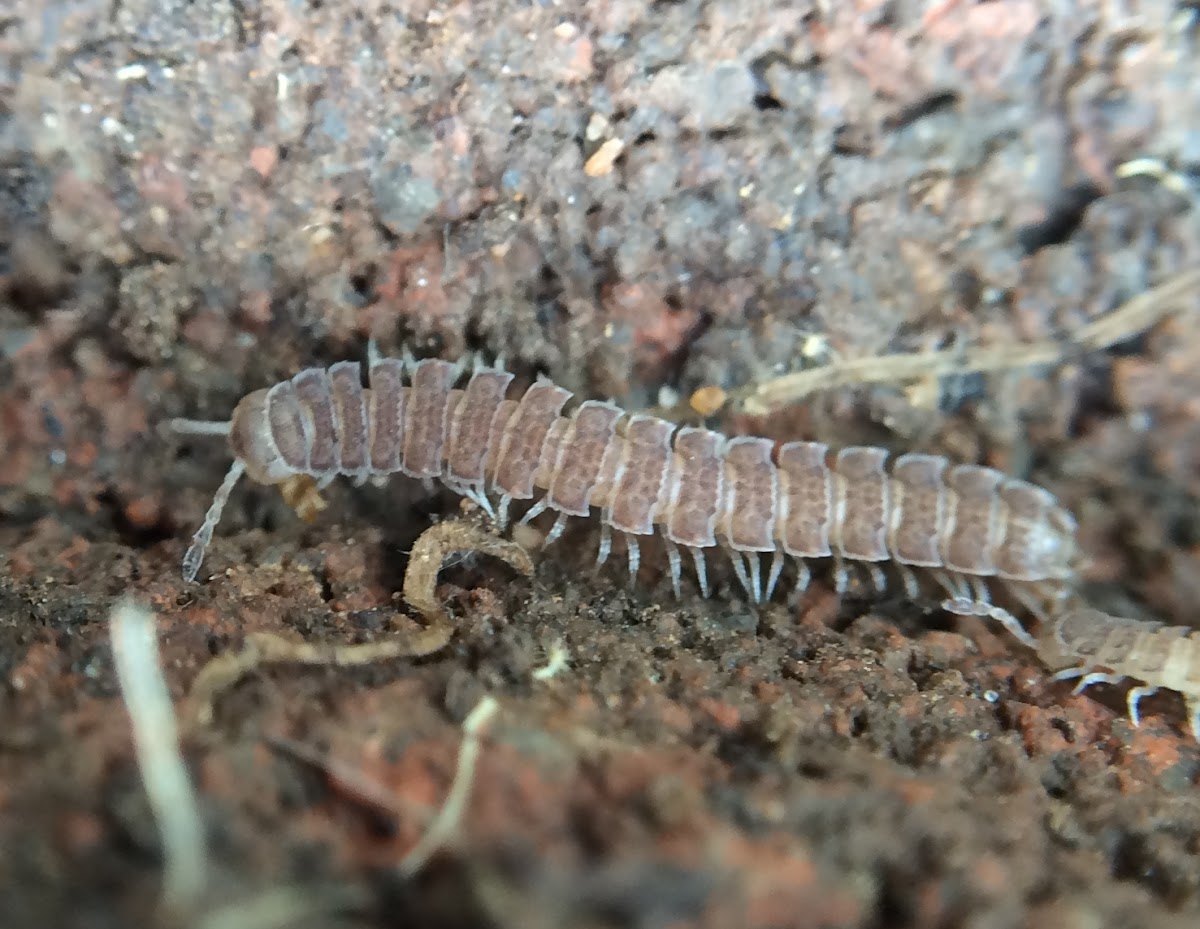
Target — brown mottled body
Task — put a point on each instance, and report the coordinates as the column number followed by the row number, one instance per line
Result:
column 385, row 415
column 350, row 416
column 695, row 487
column 580, row 455
column 471, row 431
column 315, row 396
column 426, row 414
column 1112, row 648
column 524, row 438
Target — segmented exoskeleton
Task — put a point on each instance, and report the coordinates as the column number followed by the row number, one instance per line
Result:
column 644, row 475
column 1112, row 649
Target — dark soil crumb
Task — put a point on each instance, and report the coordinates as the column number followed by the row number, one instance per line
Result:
column 200, row 199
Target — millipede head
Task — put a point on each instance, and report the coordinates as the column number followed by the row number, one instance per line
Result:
column 253, row 441
column 255, row 452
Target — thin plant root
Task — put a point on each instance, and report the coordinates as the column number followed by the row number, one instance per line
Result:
column 439, row 542
column 449, row 817
column 156, row 741
column 442, row 825
column 263, row 648
column 558, row 659
column 1141, row 312
column 1134, row 316
column 420, row 582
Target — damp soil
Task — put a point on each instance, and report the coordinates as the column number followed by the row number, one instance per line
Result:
column 636, row 200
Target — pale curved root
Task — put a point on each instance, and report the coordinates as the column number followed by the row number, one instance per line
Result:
column 420, row 583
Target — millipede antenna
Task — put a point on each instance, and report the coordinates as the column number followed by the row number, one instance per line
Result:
column 195, row 552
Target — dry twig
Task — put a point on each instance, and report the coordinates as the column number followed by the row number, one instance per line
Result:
column 1134, row 316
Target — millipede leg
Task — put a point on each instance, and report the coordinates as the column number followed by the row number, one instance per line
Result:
column 535, row 511
column 953, row 585
column 1029, row 600
column 739, row 568
column 979, row 589
column 1134, row 698
column 912, row 587
column 473, row 492
column 1096, row 677
column 805, row 576
column 776, row 569
column 502, row 511
column 676, row 566
column 635, row 557
column 878, row 578
column 556, row 530
column 755, row 574
column 841, row 576
column 605, row 543
column 701, row 571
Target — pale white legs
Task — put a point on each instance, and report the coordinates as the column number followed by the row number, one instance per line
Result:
column 701, row 571
column 676, row 566
column 560, row 524
column 535, row 511
column 776, row 569
column 739, row 567
column 1088, row 678
column 605, row 543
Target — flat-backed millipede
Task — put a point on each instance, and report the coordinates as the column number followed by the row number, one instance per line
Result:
column 697, row 488
column 1112, row 649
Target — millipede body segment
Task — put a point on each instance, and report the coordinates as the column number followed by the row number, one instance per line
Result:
column 696, row 488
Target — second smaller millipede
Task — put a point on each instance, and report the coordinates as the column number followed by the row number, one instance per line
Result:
column 1112, row 648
